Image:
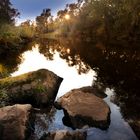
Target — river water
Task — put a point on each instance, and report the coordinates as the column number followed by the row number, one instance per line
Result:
column 119, row 129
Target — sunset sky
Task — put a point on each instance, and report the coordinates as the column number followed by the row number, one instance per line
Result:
column 29, row 9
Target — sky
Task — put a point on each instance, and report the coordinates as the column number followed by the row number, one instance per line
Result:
column 29, row 9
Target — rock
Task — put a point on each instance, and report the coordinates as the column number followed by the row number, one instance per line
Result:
column 94, row 90
column 82, row 108
column 38, row 88
column 65, row 135
column 16, row 122
column 88, row 89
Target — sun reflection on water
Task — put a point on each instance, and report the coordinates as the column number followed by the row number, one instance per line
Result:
column 33, row 60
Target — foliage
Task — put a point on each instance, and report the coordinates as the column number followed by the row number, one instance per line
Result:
column 13, row 42
column 9, row 33
column 3, row 97
column 7, row 12
column 102, row 21
column 43, row 21
column 27, row 29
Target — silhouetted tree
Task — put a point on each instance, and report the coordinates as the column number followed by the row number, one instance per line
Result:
column 42, row 21
column 7, row 12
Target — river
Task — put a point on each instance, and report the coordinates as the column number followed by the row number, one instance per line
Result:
column 119, row 129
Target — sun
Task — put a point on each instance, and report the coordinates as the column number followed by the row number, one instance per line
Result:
column 67, row 17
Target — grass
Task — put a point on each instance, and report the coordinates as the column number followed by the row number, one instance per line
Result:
column 9, row 81
column 15, row 34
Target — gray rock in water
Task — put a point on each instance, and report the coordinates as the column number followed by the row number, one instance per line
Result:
column 82, row 108
column 16, row 122
column 38, row 88
column 65, row 135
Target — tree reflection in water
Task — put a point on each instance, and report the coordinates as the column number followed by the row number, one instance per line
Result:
column 72, row 57
column 43, row 120
column 10, row 57
column 117, row 67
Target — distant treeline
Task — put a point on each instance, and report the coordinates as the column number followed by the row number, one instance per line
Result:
column 113, row 27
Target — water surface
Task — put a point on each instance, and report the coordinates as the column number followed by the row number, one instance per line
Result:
column 119, row 129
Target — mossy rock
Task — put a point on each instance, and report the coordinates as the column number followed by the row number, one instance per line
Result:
column 38, row 88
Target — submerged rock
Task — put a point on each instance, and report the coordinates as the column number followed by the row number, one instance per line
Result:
column 38, row 88
column 16, row 122
column 65, row 135
column 83, row 108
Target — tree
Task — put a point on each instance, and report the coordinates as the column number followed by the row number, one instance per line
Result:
column 7, row 12
column 61, row 14
column 43, row 20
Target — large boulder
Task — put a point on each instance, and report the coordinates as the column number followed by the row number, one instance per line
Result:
column 83, row 108
column 65, row 135
column 16, row 122
column 94, row 90
column 38, row 88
